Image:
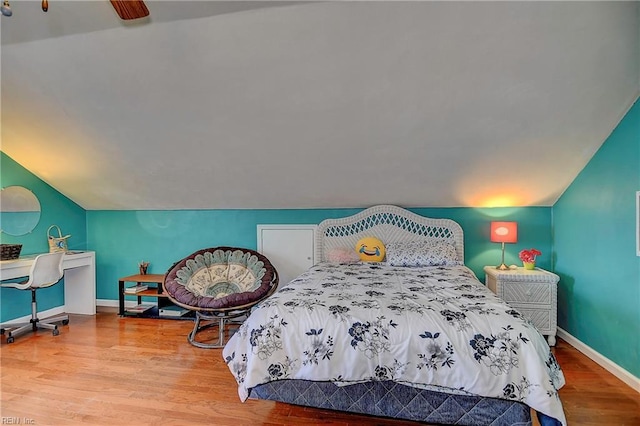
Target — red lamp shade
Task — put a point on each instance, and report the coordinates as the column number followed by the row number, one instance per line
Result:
column 504, row 232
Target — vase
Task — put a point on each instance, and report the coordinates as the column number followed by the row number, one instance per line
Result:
column 529, row 265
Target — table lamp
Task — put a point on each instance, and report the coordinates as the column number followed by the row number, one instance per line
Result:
column 504, row 232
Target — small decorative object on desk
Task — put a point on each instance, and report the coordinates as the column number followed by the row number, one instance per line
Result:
column 143, row 267
column 528, row 258
column 10, row 251
column 59, row 243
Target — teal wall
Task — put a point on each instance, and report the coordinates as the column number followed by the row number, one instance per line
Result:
column 56, row 209
column 122, row 239
column 594, row 226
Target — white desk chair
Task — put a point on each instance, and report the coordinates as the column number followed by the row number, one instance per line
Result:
column 45, row 272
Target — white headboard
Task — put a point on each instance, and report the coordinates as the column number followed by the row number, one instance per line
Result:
column 390, row 224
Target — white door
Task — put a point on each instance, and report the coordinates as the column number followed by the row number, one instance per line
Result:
column 290, row 248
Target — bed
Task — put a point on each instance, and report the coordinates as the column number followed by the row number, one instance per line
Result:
column 415, row 336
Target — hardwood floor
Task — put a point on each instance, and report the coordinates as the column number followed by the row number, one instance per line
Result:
column 107, row 370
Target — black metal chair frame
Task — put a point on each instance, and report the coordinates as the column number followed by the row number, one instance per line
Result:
column 207, row 318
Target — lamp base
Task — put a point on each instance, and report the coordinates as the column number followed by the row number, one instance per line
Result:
column 502, row 267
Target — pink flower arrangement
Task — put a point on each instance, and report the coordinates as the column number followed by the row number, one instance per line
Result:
column 529, row 256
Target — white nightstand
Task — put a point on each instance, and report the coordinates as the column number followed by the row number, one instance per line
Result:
column 534, row 293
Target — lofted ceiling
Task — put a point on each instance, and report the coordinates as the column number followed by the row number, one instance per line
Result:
column 215, row 105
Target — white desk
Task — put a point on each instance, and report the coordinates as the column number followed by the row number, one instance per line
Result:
column 79, row 279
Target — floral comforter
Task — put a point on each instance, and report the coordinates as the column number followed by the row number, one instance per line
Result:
column 436, row 328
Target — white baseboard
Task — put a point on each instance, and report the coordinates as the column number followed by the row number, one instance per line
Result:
column 601, row 360
column 107, row 302
column 43, row 314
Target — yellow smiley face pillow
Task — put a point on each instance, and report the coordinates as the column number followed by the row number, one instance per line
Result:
column 370, row 249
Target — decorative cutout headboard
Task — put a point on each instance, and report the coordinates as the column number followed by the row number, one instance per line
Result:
column 390, row 224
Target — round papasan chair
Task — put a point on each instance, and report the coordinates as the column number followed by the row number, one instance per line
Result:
column 219, row 284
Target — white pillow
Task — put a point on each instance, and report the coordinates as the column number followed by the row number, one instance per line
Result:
column 342, row 255
column 422, row 253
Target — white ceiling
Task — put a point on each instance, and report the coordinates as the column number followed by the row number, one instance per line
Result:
column 315, row 104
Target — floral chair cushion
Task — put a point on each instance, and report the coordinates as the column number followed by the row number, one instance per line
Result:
column 219, row 278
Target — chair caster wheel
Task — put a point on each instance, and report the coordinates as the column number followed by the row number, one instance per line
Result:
column 55, row 332
column 65, row 322
column 9, row 339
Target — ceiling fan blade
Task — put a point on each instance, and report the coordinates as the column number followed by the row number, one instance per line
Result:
column 130, row 9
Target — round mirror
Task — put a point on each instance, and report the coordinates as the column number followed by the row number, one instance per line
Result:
column 19, row 210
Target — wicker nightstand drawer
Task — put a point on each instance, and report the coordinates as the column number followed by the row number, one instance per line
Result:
column 541, row 318
column 525, row 293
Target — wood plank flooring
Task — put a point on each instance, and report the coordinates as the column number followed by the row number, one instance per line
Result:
column 107, row 370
